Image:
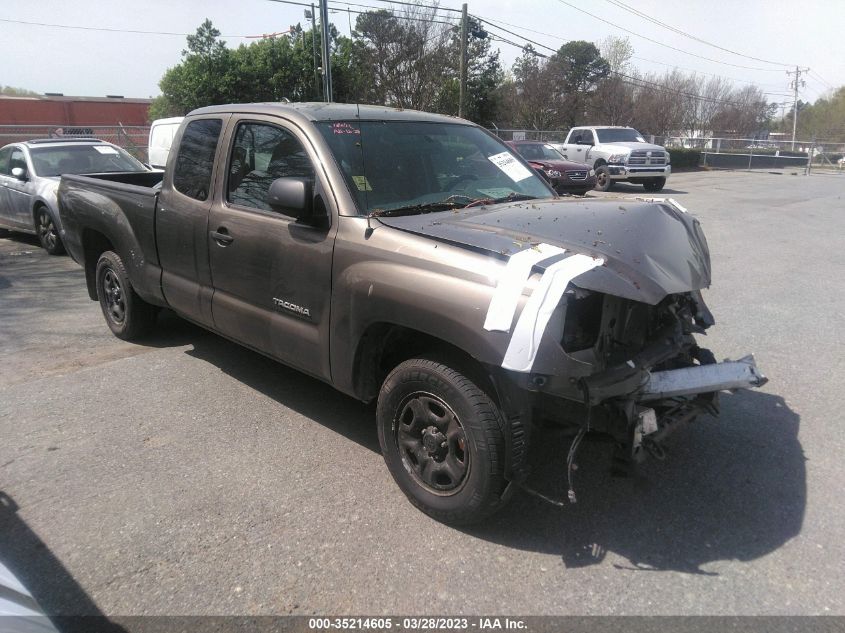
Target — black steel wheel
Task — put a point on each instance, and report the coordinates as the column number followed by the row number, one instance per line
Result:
column 113, row 295
column 442, row 438
column 432, row 443
column 603, row 180
column 127, row 315
column 47, row 232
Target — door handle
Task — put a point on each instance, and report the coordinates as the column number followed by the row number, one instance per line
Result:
column 222, row 237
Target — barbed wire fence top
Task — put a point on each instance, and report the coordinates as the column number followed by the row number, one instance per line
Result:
column 132, row 138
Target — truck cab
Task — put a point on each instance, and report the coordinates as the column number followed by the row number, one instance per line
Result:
column 618, row 154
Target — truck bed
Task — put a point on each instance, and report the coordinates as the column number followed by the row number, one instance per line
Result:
column 119, row 208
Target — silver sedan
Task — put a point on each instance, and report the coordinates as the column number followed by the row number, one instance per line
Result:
column 29, row 177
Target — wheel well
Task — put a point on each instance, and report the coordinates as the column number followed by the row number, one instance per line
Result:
column 385, row 345
column 94, row 244
column 38, row 205
column 599, row 163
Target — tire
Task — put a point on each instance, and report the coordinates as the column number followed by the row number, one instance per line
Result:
column 47, row 233
column 654, row 184
column 603, row 181
column 128, row 316
column 442, row 440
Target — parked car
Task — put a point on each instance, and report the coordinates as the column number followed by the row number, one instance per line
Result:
column 618, row 154
column 29, row 178
column 161, row 138
column 564, row 175
column 389, row 253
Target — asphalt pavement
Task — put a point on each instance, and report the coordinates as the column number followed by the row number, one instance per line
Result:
column 187, row 475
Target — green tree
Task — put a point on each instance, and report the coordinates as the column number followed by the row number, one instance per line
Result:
column 576, row 70
column 17, row 92
column 484, row 76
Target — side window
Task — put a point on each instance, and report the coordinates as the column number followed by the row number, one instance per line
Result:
column 192, row 174
column 262, row 153
column 5, row 170
column 17, row 160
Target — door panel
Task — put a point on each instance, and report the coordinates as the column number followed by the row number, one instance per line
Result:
column 20, row 192
column 272, row 274
column 6, row 216
column 182, row 219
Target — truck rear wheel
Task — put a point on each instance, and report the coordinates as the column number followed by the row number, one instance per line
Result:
column 603, row 181
column 441, row 437
column 127, row 315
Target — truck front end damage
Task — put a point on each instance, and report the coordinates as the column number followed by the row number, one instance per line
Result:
column 630, row 370
column 596, row 311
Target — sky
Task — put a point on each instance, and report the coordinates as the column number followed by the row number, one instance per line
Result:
column 97, row 63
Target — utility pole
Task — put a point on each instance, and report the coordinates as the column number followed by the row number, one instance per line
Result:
column 313, row 15
column 327, row 60
column 794, row 85
column 463, row 65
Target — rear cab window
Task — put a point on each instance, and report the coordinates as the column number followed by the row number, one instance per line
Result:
column 195, row 160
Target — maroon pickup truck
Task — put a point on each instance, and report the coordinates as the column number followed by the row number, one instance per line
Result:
column 565, row 176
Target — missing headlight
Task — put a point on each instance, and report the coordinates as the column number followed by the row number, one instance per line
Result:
column 583, row 322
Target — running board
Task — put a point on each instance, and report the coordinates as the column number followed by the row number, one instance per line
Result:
column 729, row 375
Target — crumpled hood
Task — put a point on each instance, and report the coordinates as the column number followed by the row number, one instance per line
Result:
column 621, row 147
column 650, row 249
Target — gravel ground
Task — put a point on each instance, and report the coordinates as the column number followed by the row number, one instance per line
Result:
column 190, row 476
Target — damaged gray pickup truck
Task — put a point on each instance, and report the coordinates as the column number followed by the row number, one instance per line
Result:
column 415, row 260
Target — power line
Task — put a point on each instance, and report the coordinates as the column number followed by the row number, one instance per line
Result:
column 818, row 77
column 370, row 6
column 622, row 28
column 416, row 6
column 643, row 83
column 644, row 16
column 110, row 30
column 480, row 19
column 516, row 26
column 394, row 15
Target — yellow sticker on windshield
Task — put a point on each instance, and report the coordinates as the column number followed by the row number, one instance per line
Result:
column 362, row 183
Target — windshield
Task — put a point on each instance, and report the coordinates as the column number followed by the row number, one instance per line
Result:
column 538, row 151
column 620, row 135
column 82, row 159
column 409, row 164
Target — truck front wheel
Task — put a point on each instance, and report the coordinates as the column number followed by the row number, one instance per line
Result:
column 441, row 437
column 603, row 181
column 127, row 315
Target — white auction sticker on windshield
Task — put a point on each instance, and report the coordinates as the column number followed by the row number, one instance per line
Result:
column 105, row 149
column 515, row 170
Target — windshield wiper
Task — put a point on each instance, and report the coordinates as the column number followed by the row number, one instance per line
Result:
column 511, row 197
column 426, row 207
column 448, row 203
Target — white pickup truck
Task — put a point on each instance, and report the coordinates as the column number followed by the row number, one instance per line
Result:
column 617, row 154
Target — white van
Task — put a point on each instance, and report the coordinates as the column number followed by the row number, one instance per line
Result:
column 161, row 138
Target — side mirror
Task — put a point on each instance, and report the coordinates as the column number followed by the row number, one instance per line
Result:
column 584, row 141
column 292, row 196
column 19, row 173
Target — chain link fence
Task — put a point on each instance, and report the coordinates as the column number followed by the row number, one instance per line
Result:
column 724, row 153
column 132, row 138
